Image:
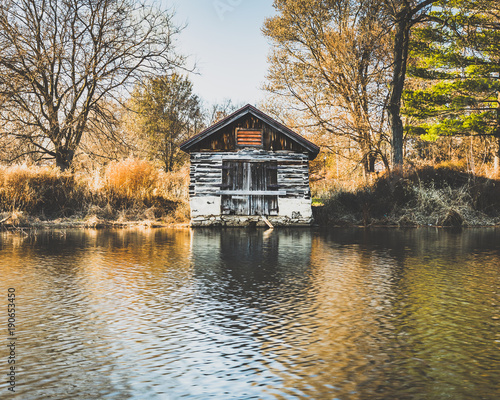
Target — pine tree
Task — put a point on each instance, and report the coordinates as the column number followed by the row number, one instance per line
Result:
column 454, row 72
column 167, row 112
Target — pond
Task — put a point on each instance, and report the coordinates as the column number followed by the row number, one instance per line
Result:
column 252, row 314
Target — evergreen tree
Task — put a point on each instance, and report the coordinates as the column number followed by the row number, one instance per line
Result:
column 167, row 113
column 455, row 72
column 405, row 16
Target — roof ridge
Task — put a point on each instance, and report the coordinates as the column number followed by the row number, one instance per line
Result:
column 248, row 108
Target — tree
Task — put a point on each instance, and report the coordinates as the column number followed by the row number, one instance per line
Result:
column 330, row 63
column 455, row 72
column 62, row 62
column 404, row 14
column 218, row 111
column 167, row 113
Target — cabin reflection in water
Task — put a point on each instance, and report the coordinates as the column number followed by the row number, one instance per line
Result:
column 250, row 257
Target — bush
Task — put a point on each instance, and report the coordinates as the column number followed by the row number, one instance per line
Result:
column 445, row 196
column 131, row 178
column 138, row 184
column 133, row 188
column 37, row 190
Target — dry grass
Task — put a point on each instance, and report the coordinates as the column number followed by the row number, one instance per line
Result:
column 131, row 178
column 440, row 196
column 130, row 190
column 135, row 190
column 36, row 189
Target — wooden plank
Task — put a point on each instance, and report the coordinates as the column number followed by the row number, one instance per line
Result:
column 285, row 163
column 249, row 137
column 208, row 181
column 251, row 192
column 249, row 132
column 267, row 222
column 282, row 174
column 249, row 142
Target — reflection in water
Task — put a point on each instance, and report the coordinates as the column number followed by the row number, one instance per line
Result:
column 253, row 314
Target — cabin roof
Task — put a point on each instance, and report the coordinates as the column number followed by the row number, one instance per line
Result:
column 249, row 109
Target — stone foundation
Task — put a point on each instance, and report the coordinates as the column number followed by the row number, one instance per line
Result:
column 251, row 220
column 205, row 211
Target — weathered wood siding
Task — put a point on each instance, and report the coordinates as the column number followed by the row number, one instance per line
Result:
column 226, row 138
column 248, row 187
column 206, row 172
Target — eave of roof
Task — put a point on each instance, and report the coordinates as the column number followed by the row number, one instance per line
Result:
column 249, row 109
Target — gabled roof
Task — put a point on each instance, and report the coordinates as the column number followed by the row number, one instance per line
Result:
column 249, row 109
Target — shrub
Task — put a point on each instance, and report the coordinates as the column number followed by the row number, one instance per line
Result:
column 131, row 178
column 128, row 190
column 138, row 184
column 37, row 189
column 445, row 196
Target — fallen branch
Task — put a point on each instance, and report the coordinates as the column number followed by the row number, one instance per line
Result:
column 5, row 219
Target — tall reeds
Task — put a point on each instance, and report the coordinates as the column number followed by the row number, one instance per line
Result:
column 131, row 189
column 36, row 189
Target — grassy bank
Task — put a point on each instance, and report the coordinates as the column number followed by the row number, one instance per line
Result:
column 442, row 196
column 124, row 193
column 133, row 192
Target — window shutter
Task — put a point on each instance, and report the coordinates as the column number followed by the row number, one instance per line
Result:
column 249, row 137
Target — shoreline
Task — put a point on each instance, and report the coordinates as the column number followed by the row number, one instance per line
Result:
column 93, row 223
column 98, row 224
column 41, row 198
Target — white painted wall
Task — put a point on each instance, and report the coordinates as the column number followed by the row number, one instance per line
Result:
column 206, row 205
column 290, row 208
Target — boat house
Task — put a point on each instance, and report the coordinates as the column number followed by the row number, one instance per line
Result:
column 248, row 169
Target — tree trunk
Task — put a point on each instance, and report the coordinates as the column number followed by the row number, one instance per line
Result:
column 496, row 159
column 497, row 135
column 64, row 158
column 371, row 162
column 368, row 160
column 400, row 58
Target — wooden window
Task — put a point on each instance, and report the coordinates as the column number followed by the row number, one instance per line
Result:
column 249, row 137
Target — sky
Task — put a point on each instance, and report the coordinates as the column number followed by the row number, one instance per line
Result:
column 224, row 39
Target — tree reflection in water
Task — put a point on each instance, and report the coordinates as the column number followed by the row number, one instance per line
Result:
column 242, row 313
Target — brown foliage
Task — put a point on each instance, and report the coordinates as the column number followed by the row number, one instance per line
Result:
column 128, row 190
column 440, row 196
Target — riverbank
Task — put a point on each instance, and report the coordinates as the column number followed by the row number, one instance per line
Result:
column 133, row 193
column 127, row 193
column 429, row 196
column 28, row 222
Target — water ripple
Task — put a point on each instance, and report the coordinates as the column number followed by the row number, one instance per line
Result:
column 239, row 314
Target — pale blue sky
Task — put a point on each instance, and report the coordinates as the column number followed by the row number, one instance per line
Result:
column 224, row 38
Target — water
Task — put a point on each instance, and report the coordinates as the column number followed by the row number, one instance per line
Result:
column 253, row 314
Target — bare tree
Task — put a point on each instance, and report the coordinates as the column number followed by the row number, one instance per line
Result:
column 330, row 63
column 218, row 111
column 63, row 62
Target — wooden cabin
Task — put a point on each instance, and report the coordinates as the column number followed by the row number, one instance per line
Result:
column 247, row 166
